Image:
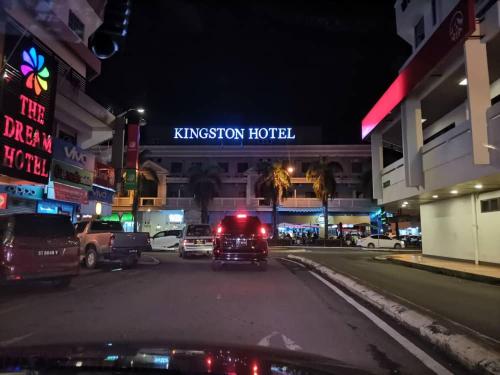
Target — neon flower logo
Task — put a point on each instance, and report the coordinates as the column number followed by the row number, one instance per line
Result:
column 36, row 73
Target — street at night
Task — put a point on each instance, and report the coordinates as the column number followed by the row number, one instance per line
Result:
column 183, row 300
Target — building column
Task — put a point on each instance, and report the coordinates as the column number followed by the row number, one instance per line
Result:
column 250, row 189
column 478, row 95
column 413, row 140
column 162, row 186
column 377, row 163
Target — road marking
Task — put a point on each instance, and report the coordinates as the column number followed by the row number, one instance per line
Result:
column 12, row 308
column 16, row 339
column 292, row 261
column 427, row 360
column 287, row 342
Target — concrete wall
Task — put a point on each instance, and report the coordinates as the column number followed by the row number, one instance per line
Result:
column 447, row 229
column 489, row 233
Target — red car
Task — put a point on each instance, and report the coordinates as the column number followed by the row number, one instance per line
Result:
column 38, row 247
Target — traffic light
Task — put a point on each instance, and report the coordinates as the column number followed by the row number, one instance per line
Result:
column 109, row 37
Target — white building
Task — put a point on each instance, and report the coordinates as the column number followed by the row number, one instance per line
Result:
column 171, row 203
column 443, row 113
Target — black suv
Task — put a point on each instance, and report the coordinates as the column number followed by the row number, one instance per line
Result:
column 240, row 238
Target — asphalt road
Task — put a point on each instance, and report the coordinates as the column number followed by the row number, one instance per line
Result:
column 473, row 305
column 184, row 300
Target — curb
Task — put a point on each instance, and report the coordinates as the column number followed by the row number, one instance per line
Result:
column 447, row 271
column 466, row 349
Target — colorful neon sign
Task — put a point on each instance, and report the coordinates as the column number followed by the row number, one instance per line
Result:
column 235, row 134
column 27, row 109
column 33, row 67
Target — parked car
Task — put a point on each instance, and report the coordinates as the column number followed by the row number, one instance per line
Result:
column 38, row 247
column 166, row 240
column 196, row 239
column 380, row 240
column 106, row 241
column 240, row 238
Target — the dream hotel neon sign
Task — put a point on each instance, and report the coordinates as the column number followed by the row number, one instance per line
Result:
column 237, row 134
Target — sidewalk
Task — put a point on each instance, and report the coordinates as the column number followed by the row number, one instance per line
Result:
column 466, row 270
column 471, row 305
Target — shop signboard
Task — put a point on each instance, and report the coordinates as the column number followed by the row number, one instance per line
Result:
column 23, row 191
column 69, row 194
column 71, row 175
column 104, row 175
column 3, row 201
column 130, row 179
column 26, row 107
column 49, row 207
column 102, row 195
column 73, row 155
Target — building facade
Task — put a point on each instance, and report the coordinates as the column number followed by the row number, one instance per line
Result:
column 171, row 203
column 435, row 132
column 48, row 120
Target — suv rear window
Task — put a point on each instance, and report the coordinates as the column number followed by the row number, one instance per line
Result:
column 106, row 226
column 246, row 225
column 43, row 226
column 198, row 230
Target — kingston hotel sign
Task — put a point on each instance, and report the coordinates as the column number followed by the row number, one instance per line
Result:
column 262, row 134
column 27, row 97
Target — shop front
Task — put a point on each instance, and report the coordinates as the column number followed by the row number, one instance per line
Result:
column 100, row 197
column 19, row 198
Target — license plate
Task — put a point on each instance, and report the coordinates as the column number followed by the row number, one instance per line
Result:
column 241, row 242
column 199, row 241
column 132, row 251
column 45, row 253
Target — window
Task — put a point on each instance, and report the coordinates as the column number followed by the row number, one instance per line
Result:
column 419, row 32
column 198, row 230
column 76, row 25
column 176, row 167
column 357, row 167
column 434, row 12
column 242, row 167
column 159, row 234
column 80, row 227
column 490, row 205
column 43, row 226
column 305, row 167
column 224, row 167
column 106, row 226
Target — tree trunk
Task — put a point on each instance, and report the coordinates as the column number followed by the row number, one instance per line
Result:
column 325, row 214
column 204, row 213
column 135, row 208
column 275, row 220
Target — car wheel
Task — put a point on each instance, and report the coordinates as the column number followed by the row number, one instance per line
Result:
column 184, row 255
column 62, row 282
column 397, row 246
column 263, row 265
column 91, row 258
column 371, row 245
column 216, row 265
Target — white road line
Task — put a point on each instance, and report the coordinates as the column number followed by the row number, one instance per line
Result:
column 292, row 261
column 16, row 339
column 12, row 308
column 290, row 344
column 266, row 341
column 427, row 360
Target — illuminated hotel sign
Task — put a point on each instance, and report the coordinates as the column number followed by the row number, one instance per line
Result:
column 26, row 109
column 235, row 134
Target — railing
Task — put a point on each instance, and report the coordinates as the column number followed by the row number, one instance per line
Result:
column 152, row 201
column 216, row 204
column 122, row 201
column 340, row 203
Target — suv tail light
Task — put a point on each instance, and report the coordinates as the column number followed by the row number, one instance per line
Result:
column 219, row 230
column 263, row 232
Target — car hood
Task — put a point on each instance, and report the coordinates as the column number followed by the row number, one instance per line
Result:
column 180, row 357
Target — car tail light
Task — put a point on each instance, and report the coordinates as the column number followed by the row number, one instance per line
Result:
column 111, row 240
column 219, row 230
column 241, row 216
column 263, row 232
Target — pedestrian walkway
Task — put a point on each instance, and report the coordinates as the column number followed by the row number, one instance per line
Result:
column 480, row 272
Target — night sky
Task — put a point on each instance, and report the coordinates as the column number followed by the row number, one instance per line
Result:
column 262, row 63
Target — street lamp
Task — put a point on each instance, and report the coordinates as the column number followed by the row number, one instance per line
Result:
column 290, row 169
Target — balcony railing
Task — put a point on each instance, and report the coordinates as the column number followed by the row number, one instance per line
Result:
column 339, row 203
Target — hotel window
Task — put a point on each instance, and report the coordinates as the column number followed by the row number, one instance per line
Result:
column 176, row 167
column 242, row 167
column 490, row 205
column 224, row 167
column 419, row 32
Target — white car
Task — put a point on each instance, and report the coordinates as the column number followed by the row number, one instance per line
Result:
column 166, row 240
column 380, row 240
column 197, row 239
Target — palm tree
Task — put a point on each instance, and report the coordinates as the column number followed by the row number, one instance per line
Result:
column 321, row 174
column 205, row 184
column 145, row 175
column 272, row 183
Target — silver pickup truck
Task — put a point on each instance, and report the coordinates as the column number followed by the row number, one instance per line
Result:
column 102, row 241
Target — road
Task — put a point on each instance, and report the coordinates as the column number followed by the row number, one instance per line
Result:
column 285, row 307
column 473, row 305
